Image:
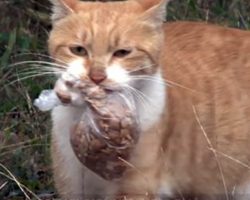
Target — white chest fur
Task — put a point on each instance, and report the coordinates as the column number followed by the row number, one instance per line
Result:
column 154, row 94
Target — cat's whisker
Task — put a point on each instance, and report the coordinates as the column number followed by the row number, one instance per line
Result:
column 38, row 62
column 141, row 93
column 32, row 67
column 210, row 145
column 149, row 78
column 39, row 65
column 138, row 96
column 35, row 64
column 34, row 71
column 140, row 68
column 39, row 68
column 93, row 124
column 41, row 55
column 162, row 81
column 149, row 100
column 127, row 101
column 24, row 74
column 27, row 77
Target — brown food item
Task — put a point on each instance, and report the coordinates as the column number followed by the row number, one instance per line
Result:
column 105, row 136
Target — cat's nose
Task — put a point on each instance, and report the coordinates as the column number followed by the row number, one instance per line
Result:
column 97, row 75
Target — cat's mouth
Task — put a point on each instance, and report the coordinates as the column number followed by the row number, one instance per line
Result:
column 76, row 92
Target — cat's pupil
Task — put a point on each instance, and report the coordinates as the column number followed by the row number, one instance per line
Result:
column 122, row 53
column 79, row 51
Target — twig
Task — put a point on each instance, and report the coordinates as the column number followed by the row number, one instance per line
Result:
column 213, row 150
column 233, row 159
column 3, row 185
column 20, row 185
column 22, row 148
column 14, row 179
column 135, row 168
column 23, row 143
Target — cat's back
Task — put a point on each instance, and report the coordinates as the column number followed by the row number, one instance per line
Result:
column 209, row 50
column 208, row 61
column 208, row 69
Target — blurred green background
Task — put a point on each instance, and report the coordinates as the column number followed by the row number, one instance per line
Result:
column 24, row 131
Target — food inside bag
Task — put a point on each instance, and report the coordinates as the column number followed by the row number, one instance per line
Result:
column 105, row 136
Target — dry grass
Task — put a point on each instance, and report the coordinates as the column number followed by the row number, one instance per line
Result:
column 24, row 131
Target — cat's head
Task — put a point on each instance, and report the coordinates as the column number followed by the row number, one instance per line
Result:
column 108, row 43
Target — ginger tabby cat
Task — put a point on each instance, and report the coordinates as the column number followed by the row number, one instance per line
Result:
column 192, row 85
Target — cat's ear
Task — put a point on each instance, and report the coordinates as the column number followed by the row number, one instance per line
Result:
column 62, row 8
column 155, row 11
column 146, row 4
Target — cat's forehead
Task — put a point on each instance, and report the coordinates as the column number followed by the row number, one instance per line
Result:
column 107, row 9
column 97, row 20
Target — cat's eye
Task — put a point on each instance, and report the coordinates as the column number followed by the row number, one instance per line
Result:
column 122, row 53
column 79, row 50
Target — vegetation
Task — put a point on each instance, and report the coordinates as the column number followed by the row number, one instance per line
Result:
column 25, row 170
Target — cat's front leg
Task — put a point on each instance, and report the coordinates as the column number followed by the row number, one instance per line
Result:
column 67, row 170
column 140, row 183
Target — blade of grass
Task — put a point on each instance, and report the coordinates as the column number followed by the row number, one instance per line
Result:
column 11, row 43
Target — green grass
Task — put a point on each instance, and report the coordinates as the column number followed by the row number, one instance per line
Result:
column 24, row 131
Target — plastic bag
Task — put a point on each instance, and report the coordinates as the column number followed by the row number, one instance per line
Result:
column 108, row 130
column 105, row 136
column 47, row 100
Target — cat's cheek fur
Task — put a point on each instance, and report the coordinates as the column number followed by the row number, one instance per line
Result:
column 77, row 68
column 117, row 73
